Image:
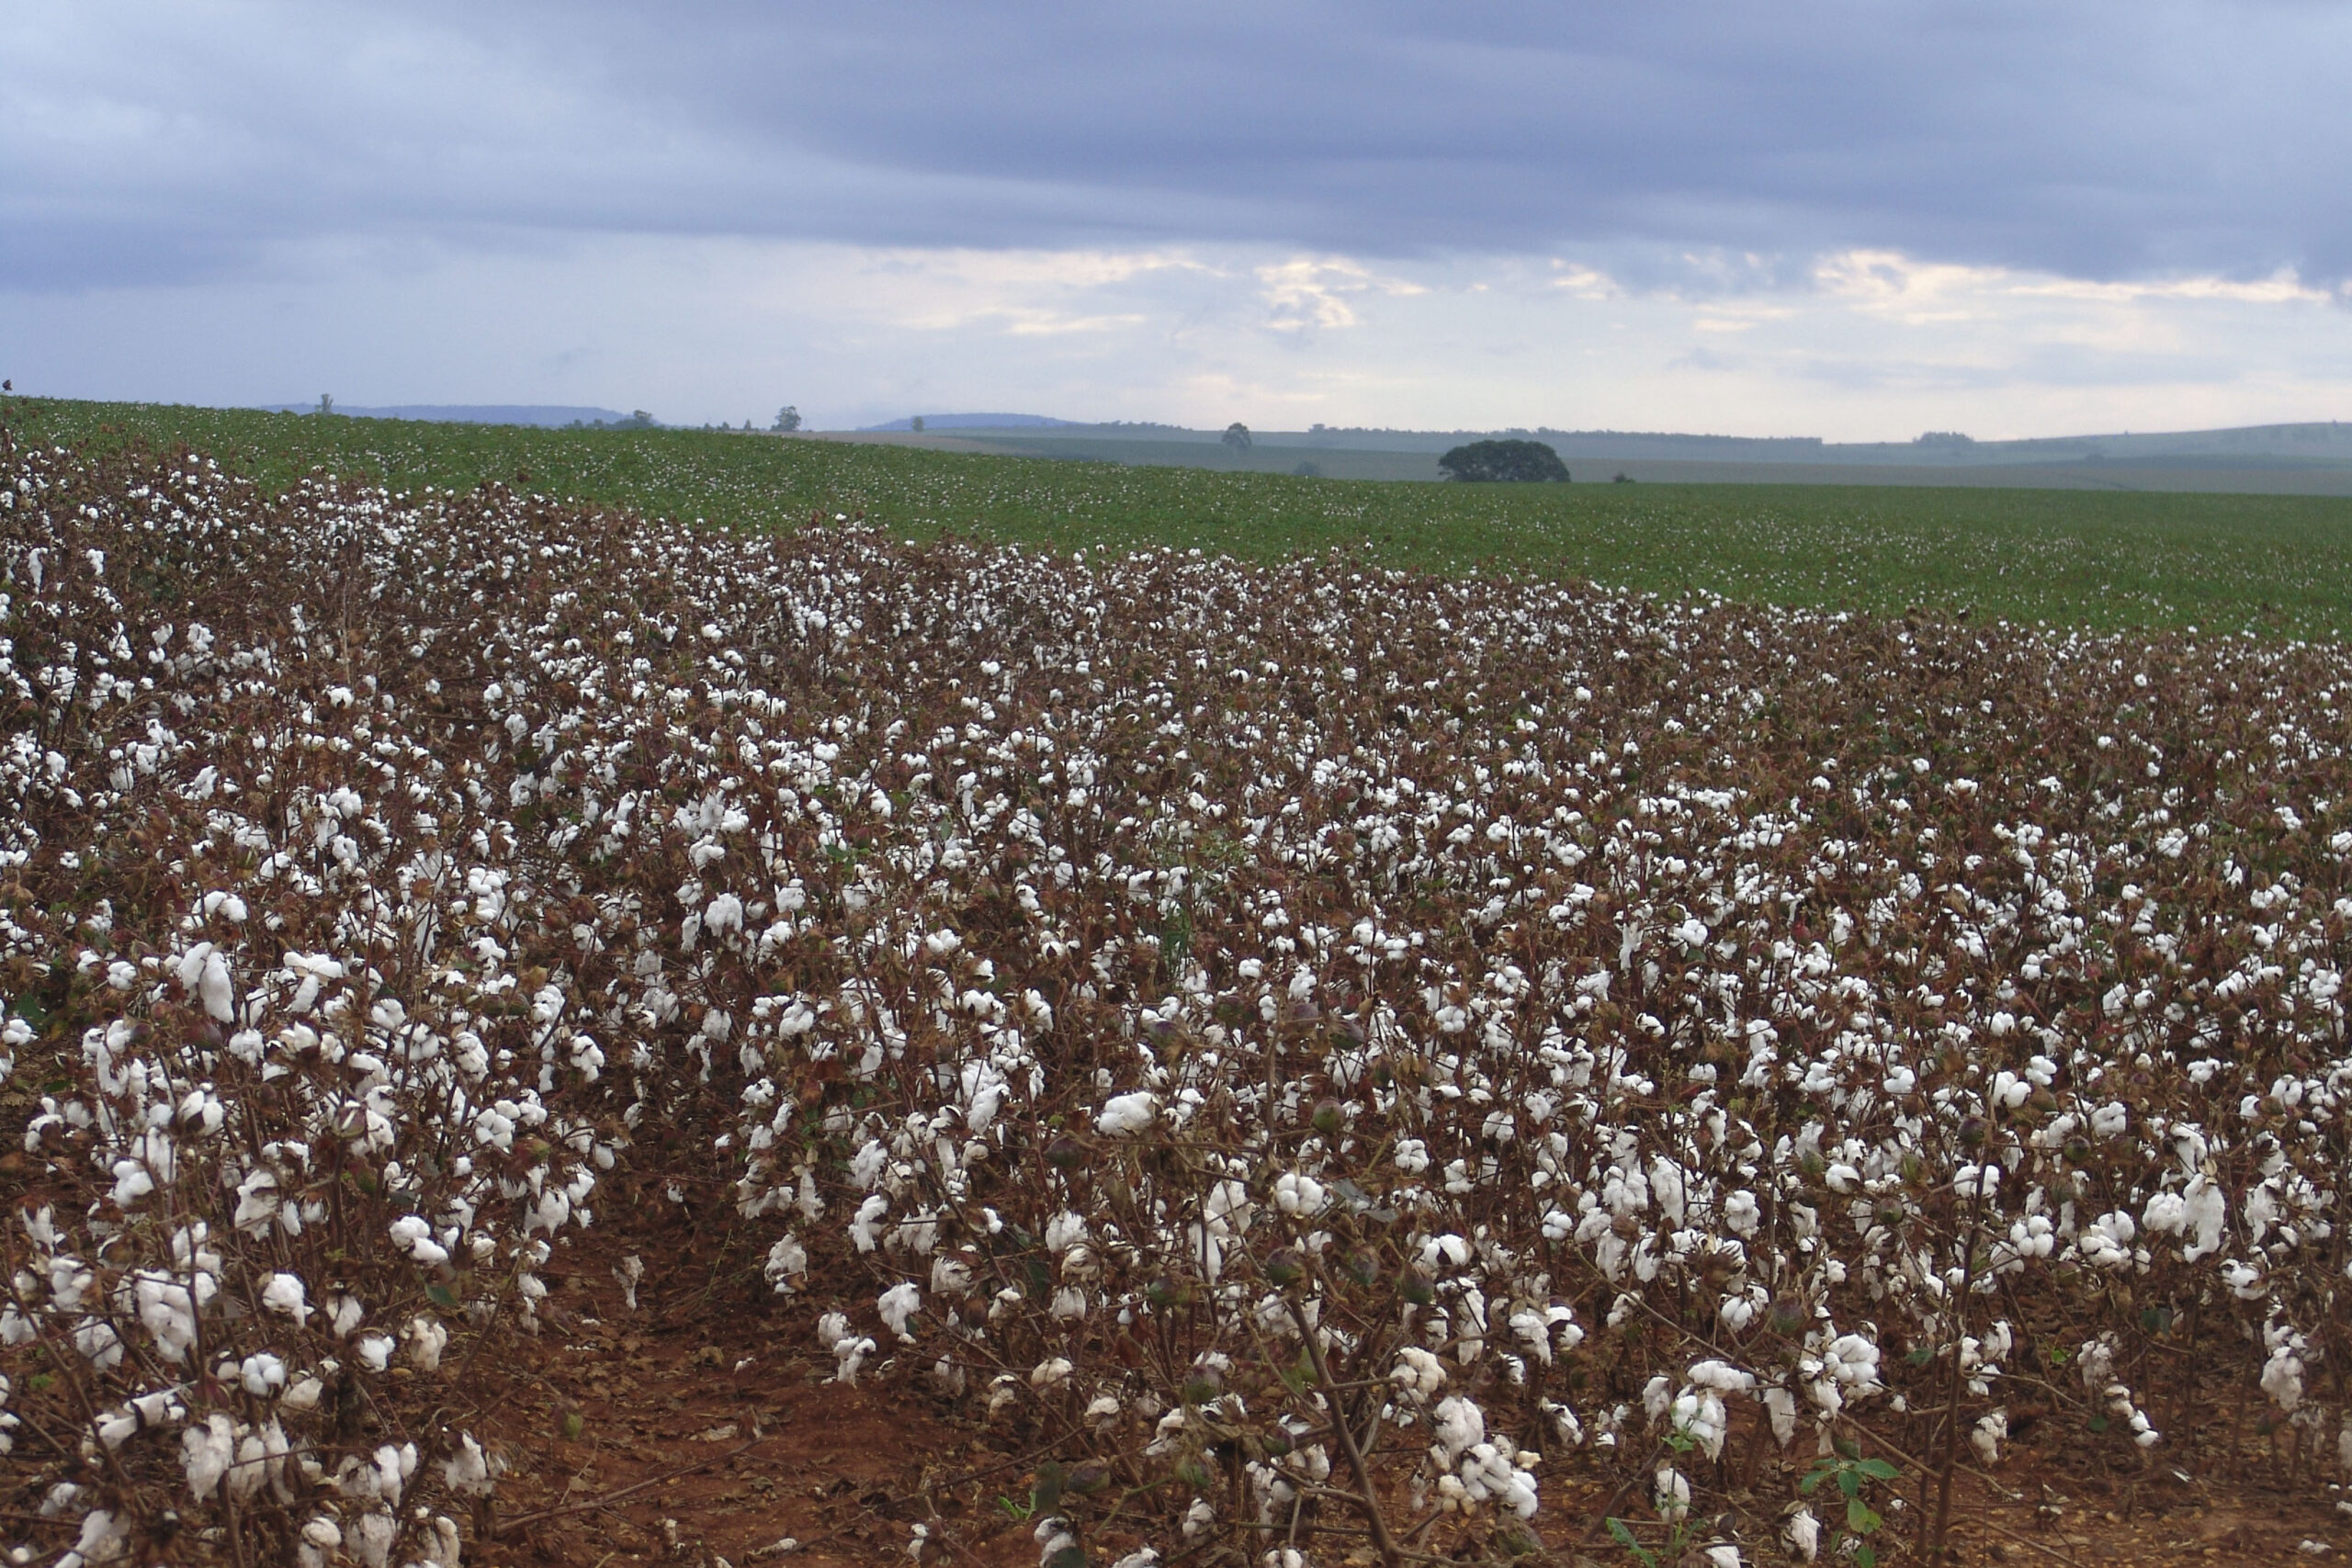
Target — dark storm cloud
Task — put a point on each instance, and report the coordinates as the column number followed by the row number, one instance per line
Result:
column 152, row 143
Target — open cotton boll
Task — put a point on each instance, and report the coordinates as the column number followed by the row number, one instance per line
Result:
column 1457, row 1424
column 426, row 1340
column 1986, row 1435
column 414, row 1235
column 468, row 1472
column 262, row 1374
column 898, row 1305
column 206, row 1453
column 283, row 1293
column 1124, row 1114
column 1300, row 1195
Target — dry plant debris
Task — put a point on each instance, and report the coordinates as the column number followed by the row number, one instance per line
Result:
column 1326, row 1058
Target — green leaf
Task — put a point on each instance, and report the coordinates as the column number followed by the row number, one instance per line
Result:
column 1847, row 1448
column 2099, row 1423
column 1813, row 1479
column 442, row 1296
column 1624, row 1537
column 1068, row 1557
column 573, row 1425
column 1849, row 1482
column 1866, row 1556
column 1859, row 1517
column 1879, row 1470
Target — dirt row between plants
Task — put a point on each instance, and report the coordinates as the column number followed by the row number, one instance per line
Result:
column 700, row 1428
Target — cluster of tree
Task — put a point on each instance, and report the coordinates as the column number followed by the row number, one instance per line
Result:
column 637, row 420
column 1236, row 437
column 787, row 418
column 1504, row 462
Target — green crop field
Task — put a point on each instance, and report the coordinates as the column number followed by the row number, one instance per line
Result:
column 2281, row 565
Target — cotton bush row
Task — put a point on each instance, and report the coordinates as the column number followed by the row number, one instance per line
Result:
column 1173, row 1008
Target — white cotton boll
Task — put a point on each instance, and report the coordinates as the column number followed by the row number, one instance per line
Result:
column 252, row 1467
column 440, row 1547
column 951, row 1275
column 1053, row 1537
column 1532, row 1332
column 897, row 1305
column 1124, row 1114
column 303, row 1396
column 414, row 1235
column 283, row 1293
column 787, row 1261
column 1853, row 1360
column 345, row 1314
column 1300, row 1195
column 723, row 914
column 1144, row 1557
column 863, row 1229
column 376, row 1350
column 1986, row 1438
column 1802, row 1534
column 2282, row 1379
column 468, row 1472
column 1780, row 1406
column 2207, row 1208
column 848, row 1356
column 1742, row 1214
column 426, row 1341
column 1457, row 1424
column 1671, row 1495
column 1419, row 1374
column 261, row 1374
column 371, row 1539
column 1050, row 1373
column 216, row 991
column 102, row 1540
column 1412, row 1157
column 1065, row 1231
column 206, row 1453
column 630, row 1269
column 1703, row 1418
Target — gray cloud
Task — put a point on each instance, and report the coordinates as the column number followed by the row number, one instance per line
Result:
column 166, row 142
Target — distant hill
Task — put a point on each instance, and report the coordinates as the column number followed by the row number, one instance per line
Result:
column 932, row 422
column 468, row 413
column 2328, row 443
column 2312, row 458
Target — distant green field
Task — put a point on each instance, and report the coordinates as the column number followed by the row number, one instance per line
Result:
column 2277, row 564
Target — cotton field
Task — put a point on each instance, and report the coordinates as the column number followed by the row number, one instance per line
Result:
column 1329, row 1053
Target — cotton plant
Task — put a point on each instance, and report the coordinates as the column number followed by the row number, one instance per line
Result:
column 1194, row 1005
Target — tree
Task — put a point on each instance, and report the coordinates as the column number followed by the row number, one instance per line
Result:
column 1504, row 462
column 916, row 425
column 1236, row 435
column 326, row 403
column 787, row 417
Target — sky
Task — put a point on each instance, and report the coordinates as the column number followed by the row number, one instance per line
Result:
column 1853, row 221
